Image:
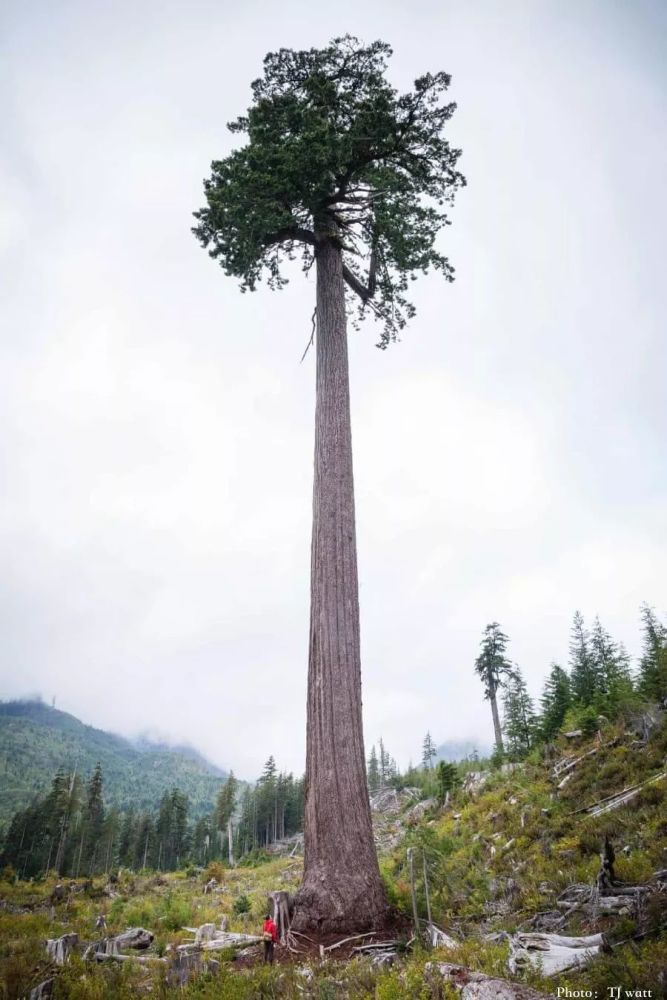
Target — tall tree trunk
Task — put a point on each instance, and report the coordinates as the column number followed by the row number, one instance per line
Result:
column 496, row 721
column 342, row 889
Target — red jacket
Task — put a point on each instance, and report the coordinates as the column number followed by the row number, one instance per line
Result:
column 270, row 928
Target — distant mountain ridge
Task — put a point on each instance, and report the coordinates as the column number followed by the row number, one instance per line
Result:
column 36, row 740
column 456, row 750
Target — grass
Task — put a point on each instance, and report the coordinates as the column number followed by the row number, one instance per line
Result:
column 493, row 860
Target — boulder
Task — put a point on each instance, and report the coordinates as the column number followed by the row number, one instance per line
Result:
column 391, row 800
column 417, row 812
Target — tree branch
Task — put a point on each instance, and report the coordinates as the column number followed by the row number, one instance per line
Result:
column 291, row 234
column 356, row 285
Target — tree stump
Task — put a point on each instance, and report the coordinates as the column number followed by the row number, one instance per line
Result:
column 281, row 913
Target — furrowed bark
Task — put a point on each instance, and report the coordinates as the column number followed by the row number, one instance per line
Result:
column 342, row 889
column 496, row 721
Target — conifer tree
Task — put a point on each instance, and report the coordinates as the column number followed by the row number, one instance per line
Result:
column 373, row 771
column 447, row 778
column 519, row 717
column 555, row 702
column 93, row 824
column 429, row 750
column 653, row 662
column 611, row 670
column 493, row 668
column 584, row 679
column 353, row 175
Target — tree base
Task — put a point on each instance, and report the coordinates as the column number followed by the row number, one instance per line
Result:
column 343, row 908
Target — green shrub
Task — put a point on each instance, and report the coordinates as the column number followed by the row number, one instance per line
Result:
column 241, row 904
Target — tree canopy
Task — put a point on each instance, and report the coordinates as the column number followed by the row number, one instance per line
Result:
column 332, row 146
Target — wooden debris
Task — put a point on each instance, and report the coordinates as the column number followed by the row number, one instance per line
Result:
column 476, row 985
column 552, row 953
column 58, row 949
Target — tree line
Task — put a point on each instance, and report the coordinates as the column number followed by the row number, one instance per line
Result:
column 599, row 682
column 71, row 831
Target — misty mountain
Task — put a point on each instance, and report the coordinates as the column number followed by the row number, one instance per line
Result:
column 455, row 750
column 36, row 740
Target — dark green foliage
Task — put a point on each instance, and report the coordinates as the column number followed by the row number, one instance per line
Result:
column 492, row 666
column 36, row 740
column 331, row 145
column 653, row 663
column 373, row 771
column 270, row 811
column 519, row 717
column 584, row 677
column 611, row 669
column 555, row 702
column 241, row 904
column 447, row 779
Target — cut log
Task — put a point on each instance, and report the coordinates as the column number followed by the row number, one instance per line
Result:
column 552, row 953
column 621, row 798
column 226, row 939
column 100, row 956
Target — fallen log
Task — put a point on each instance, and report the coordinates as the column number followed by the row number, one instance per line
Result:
column 355, row 937
column 620, row 798
column 101, row 956
column 224, row 939
column 552, row 953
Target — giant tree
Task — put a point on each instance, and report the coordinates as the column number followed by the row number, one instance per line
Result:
column 341, row 169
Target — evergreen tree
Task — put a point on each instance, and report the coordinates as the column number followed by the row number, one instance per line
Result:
column 340, row 167
column 493, row 668
column 429, row 751
column 555, row 702
column 373, row 772
column 224, row 810
column 145, row 844
column 519, row 717
column 384, row 764
column 611, row 669
column 653, row 662
column 93, row 825
column 585, row 681
column 447, row 778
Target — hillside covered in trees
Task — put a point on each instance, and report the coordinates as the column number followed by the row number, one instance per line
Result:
column 37, row 740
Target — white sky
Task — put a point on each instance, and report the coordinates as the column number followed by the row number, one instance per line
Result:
column 156, row 425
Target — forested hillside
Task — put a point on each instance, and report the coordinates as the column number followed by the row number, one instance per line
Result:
column 37, row 740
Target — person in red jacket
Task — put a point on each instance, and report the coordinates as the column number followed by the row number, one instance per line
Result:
column 270, row 934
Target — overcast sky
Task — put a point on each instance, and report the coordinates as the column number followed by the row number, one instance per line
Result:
column 156, row 426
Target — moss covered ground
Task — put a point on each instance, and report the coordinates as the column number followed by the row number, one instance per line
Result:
column 494, row 858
